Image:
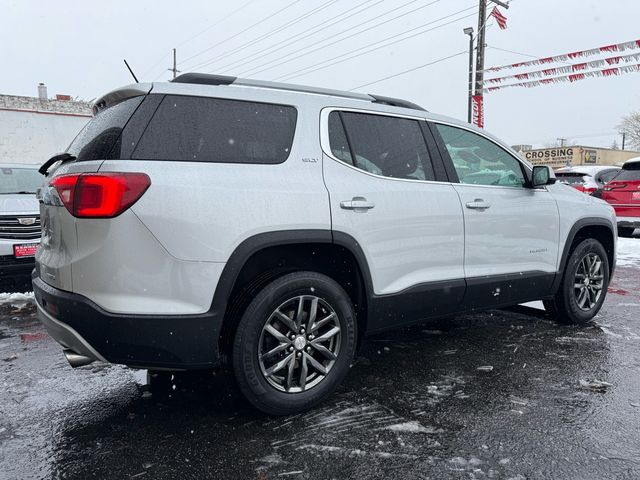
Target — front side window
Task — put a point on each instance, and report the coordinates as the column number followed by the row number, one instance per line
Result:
column 479, row 161
column 201, row 129
column 388, row 146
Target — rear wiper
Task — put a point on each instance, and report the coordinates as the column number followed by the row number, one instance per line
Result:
column 64, row 157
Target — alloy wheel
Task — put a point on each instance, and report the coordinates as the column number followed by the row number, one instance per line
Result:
column 589, row 281
column 299, row 344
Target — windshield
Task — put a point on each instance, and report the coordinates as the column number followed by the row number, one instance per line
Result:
column 19, row 180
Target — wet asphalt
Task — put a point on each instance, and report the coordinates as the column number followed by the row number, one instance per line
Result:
column 416, row 404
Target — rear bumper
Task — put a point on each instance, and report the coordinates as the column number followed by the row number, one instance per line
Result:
column 628, row 222
column 146, row 341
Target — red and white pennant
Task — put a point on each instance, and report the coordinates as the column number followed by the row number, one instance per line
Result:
column 576, row 67
column 619, row 47
column 574, row 77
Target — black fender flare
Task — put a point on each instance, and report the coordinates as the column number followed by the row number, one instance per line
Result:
column 255, row 243
column 579, row 225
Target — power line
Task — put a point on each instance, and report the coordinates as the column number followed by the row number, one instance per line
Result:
column 289, row 58
column 409, row 70
column 289, row 5
column 291, row 40
column 266, row 35
column 319, row 66
column 195, row 36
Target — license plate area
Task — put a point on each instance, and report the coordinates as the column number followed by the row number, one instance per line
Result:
column 25, row 250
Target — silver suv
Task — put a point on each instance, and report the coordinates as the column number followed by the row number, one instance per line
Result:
column 214, row 220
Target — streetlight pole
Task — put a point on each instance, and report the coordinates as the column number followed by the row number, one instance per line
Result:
column 469, row 31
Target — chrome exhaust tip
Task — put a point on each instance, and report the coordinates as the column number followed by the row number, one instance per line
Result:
column 75, row 359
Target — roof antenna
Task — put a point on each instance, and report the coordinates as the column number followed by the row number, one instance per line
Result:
column 130, row 71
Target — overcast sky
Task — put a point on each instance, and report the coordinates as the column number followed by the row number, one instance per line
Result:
column 77, row 47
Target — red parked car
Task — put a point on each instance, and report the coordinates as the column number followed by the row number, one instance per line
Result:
column 623, row 193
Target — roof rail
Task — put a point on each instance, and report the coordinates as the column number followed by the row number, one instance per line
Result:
column 209, row 79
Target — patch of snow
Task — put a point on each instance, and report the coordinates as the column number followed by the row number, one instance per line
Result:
column 628, row 252
column 410, row 427
column 537, row 305
column 16, row 297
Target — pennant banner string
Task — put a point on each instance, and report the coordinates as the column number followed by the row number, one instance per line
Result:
column 574, row 77
column 576, row 67
column 619, row 47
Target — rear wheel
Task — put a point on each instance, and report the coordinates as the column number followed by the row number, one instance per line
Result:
column 584, row 284
column 294, row 343
column 625, row 231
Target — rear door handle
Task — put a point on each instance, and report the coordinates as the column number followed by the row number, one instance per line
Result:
column 478, row 204
column 359, row 204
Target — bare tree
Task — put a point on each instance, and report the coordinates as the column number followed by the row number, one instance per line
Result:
column 630, row 127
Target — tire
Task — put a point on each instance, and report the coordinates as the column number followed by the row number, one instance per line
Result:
column 569, row 305
column 625, row 231
column 274, row 383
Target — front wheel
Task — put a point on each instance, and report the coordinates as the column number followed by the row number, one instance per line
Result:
column 294, row 343
column 584, row 284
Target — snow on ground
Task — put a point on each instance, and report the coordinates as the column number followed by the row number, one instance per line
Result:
column 628, row 252
column 18, row 300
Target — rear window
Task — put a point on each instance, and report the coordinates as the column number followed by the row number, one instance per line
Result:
column 629, row 172
column 97, row 139
column 199, row 129
column 571, row 178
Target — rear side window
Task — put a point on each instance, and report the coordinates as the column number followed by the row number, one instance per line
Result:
column 97, row 139
column 200, row 129
column 629, row 172
column 389, row 146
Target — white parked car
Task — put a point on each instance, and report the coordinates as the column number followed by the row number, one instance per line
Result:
column 270, row 227
column 19, row 224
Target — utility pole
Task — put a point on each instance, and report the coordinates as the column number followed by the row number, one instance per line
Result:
column 174, row 69
column 482, row 21
column 624, row 137
column 563, row 141
column 469, row 31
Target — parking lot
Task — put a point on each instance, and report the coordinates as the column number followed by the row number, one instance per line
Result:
column 502, row 394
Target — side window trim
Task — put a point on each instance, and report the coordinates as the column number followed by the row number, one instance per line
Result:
column 325, row 143
column 437, row 162
column 346, row 135
column 449, row 163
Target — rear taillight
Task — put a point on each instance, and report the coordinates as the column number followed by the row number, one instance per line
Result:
column 589, row 190
column 100, row 195
column 614, row 186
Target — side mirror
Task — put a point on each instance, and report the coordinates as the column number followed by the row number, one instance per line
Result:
column 542, row 175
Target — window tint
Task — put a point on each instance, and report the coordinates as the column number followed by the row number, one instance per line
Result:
column 96, row 140
column 629, row 172
column 479, row 161
column 389, row 146
column 338, row 139
column 607, row 176
column 200, row 129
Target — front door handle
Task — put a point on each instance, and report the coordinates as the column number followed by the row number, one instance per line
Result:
column 358, row 204
column 478, row 204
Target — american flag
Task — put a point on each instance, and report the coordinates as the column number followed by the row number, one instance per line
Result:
column 501, row 19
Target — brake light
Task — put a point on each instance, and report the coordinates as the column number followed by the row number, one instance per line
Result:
column 100, row 195
column 614, row 186
column 589, row 190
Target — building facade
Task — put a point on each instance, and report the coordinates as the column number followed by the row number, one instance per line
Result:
column 557, row 157
column 32, row 129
